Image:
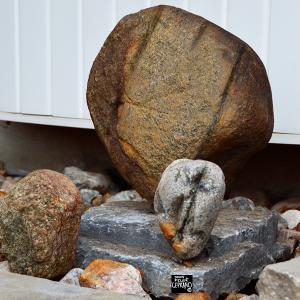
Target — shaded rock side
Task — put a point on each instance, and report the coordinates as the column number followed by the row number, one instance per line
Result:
column 168, row 84
column 39, row 224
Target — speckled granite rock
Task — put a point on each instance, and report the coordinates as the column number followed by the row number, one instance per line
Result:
column 280, row 281
column 21, row 287
column 187, row 202
column 225, row 265
column 39, row 224
column 168, row 84
column 113, row 276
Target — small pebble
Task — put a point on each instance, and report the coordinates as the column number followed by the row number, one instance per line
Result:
column 114, row 276
column 292, row 217
column 72, row 277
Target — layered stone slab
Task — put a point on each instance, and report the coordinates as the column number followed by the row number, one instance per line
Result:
column 241, row 244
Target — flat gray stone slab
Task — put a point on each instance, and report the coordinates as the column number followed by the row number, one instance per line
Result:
column 135, row 224
column 241, row 244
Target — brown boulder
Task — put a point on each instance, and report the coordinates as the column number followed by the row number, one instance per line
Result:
column 168, row 84
column 39, row 224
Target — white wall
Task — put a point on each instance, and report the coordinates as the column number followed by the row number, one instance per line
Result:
column 48, row 46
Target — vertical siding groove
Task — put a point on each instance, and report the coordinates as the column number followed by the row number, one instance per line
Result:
column 224, row 14
column 266, row 21
column 114, row 12
column 17, row 53
column 185, row 4
column 81, row 95
column 48, row 58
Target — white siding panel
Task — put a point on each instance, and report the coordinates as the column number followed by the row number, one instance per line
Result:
column 8, row 56
column 35, row 89
column 124, row 9
column 246, row 19
column 177, row 3
column 98, row 19
column 284, row 64
column 210, row 10
column 48, row 47
column 65, row 60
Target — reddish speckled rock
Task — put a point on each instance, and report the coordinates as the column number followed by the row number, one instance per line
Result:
column 39, row 224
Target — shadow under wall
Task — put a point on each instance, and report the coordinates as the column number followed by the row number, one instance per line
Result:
column 270, row 176
column 28, row 147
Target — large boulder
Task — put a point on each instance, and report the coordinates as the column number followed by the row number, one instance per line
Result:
column 39, row 224
column 168, row 84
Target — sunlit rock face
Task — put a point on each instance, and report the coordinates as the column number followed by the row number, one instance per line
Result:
column 168, row 84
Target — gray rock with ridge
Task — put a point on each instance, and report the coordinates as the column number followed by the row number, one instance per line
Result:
column 187, row 200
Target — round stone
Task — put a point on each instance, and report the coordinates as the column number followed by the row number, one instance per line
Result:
column 39, row 224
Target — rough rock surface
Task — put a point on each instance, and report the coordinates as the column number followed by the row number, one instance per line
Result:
column 225, row 265
column 292, row 218
column 4, row 266
column 113, row 276
column 168, row 84
column 194, row 296
column 88, row 180
column 280, row 281
column 251, row 297
column 187, row 200
column 21, row 287
column 2, row 194
column 72, row 277
column 39, row 224
column 90, row 198
column 9, row 183
column 241, row 203
column 125, row 196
